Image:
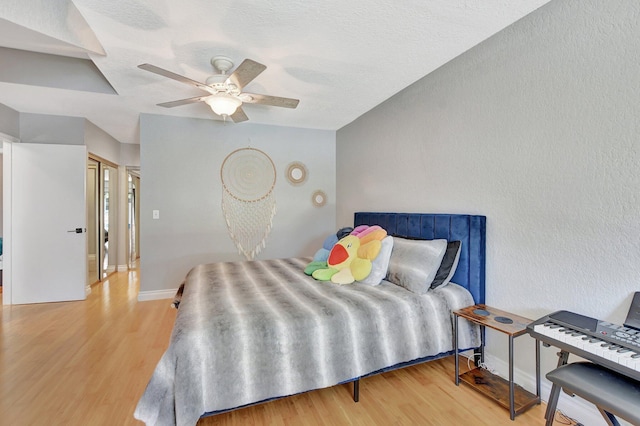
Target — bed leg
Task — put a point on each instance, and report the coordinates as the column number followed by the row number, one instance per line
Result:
column 356, row 390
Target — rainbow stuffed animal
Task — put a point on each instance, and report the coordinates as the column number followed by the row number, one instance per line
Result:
column 350, row 258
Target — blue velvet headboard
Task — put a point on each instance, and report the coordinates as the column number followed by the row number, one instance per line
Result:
column 468, row 229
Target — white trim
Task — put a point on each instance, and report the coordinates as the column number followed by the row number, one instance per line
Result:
column 122, row 268
column 87, row 290
column 576, row 407
column 145, row 296
column 6, row 218
column 9, row 138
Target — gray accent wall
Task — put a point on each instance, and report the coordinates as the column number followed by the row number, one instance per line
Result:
column 538, row 129
column 54, row 129
column 58, row 129
column 101, row 143
column 9, row 121
column 129, row 154
column 180, row 161
column 41, row 69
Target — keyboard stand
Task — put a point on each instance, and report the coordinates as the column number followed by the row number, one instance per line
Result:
column 563, row 358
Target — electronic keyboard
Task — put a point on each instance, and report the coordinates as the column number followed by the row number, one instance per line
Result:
column 613, row 346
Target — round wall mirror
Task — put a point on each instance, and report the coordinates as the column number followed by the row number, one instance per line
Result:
column 319, row 198
column 296, row 173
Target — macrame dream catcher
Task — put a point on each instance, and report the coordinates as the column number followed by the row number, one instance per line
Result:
column 248, row 177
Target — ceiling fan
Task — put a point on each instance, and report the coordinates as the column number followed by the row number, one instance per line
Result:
column 225, row 95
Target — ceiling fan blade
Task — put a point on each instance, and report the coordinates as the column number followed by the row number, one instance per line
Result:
column 172, row 75
column 183, row 101
column 246, row 71
column 270, row 100
column 239, row 116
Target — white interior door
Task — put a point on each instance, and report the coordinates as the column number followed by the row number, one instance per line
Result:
column 48, row 256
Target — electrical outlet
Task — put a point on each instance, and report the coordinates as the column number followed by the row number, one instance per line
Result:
column 156, row 214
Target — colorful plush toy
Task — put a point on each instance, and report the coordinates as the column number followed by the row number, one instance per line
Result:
column 321, row 256
column 350, row 258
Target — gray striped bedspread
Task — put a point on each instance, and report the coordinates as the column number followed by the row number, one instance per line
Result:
column 250, row 331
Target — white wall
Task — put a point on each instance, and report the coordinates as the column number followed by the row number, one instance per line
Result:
column 537, row 128
column 180, row 165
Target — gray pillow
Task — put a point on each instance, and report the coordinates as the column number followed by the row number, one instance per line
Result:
column 380, row 264
column 448, row 266
column 414, row 263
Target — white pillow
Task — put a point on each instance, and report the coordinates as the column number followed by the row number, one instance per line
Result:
column 380, row 264
column 414, row 263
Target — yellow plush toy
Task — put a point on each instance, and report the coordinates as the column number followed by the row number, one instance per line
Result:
column 350, row 258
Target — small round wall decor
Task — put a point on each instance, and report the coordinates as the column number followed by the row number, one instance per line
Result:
column 296, row 173
column 319, row 198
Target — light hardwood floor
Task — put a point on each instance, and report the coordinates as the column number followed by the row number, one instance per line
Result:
column 87, row 363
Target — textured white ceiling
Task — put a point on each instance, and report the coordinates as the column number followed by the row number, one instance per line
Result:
column 340, row 58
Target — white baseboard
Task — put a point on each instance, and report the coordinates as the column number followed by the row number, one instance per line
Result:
column 122, row 268
column 144, row 296
column 574, row 407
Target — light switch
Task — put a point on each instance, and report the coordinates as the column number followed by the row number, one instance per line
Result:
column 156, row 214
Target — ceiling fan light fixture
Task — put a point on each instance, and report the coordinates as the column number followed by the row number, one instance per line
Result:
column 225, row 95
column 223, row 104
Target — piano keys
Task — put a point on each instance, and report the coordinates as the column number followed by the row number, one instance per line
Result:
column 614, row 346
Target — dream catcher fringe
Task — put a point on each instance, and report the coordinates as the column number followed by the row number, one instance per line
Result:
column 248, row 203
column 249, row 224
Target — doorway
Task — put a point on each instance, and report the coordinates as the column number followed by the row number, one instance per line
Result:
column 93, row 269
column 133, row 217
column 101, row 218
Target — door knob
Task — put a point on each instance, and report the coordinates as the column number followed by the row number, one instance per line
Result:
column 77, row 230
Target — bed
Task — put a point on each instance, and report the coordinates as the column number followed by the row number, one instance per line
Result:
column 249, row 332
